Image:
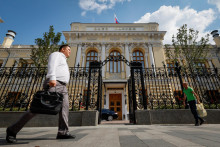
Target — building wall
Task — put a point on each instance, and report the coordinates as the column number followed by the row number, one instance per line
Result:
column 11, row 55
column 212, row 58
column 71, row 60
column 125, row 38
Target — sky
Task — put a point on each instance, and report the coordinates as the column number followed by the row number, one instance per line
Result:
column 31, row 18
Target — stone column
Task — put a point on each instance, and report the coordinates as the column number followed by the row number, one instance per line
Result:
column 103, row 58
column 122, row 66
column 78, row 56
column 210, row 64
column 127, row 57
column 108, row 66
column 83, row 60
column 146, row 60
column 152, row 58
column 151, row 55
column 70, row 39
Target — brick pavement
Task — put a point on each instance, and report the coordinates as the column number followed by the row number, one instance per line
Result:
column 123, row 135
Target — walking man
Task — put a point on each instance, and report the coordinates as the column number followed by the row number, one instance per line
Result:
column 57, row 76
column 191, row 98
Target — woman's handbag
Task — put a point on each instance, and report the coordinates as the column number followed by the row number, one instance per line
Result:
column 45, row 102
column 201, row 110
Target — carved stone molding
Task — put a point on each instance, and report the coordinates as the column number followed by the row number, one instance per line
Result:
column 85, row 46
column 115, row 45
column 153, row 28
column 137, row 38
column 115, row 76
column 73, row 44
column 16, row 50
column 130, row 46
column 28, row 54
column 92, row 38
column 14, row 54
column 76, row 28
column 114, row 38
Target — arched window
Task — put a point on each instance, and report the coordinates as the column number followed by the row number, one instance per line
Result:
column 91, row 56
column 138, row 57
column 115, row 67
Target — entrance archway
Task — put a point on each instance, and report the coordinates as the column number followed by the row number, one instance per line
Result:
column 134, row 82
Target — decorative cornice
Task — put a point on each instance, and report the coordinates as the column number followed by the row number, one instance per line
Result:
column 73, row 44
column 15, row 50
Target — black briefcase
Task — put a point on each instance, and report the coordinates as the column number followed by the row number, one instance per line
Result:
column 45, row 102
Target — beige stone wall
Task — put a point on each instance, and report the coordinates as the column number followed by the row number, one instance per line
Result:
column 217, row 41
column 158, row 56
column 14, row 53
column 213, row 55
column 216, row 62
column 71, row 60
column 3, row 53
column 10, row 62
column 76, row 26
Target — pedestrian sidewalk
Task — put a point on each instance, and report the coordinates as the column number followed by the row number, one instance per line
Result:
column 120, row 135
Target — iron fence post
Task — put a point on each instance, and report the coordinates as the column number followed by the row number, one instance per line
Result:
column 143, row 88
column 133, row 90
column 99, row 95
column 178, row 71
column 92, row 68
column 88, row 90
column 130, row 101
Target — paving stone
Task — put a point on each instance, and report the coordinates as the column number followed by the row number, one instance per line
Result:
column 131, row 141
column 157, row 143
column 207, row 135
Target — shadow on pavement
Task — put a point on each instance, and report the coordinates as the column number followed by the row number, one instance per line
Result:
column 3, row 142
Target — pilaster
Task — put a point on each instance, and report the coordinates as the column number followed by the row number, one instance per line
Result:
column 78, row 56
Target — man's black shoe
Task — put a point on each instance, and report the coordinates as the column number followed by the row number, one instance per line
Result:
column 196, row 124
column 10, row 136
column 67, row 136
column 202, row 121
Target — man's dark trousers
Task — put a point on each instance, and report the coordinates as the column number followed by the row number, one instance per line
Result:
column 63, row 127
column 192, row 105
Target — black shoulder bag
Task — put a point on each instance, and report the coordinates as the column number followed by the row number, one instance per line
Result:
column 45, row 102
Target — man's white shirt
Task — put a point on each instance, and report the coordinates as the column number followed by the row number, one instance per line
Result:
column 58, row 68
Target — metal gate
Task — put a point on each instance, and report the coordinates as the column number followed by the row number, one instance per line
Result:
column 136, row 90
column 94, row 90
column 136, row 87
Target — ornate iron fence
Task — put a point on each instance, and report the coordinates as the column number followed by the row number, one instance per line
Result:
column 18, row 85
column 154, row 88
column 163, row 87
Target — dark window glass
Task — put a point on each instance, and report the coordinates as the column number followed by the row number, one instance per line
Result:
column 91, row 56
column 115, row 66
column 138, row 57
column 112, row 108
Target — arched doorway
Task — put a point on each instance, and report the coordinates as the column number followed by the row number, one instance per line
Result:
column 135, row 87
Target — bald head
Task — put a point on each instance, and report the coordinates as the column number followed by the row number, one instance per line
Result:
column 185, row 85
